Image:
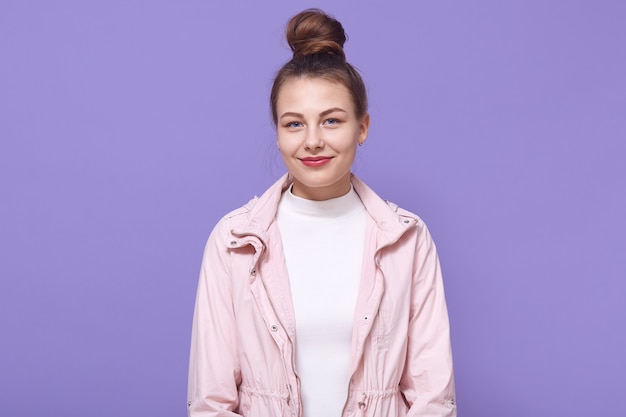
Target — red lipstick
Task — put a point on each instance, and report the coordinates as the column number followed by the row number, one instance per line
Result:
column 315, row 161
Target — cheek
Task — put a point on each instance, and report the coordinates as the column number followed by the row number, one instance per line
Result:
column 349, row 144
column 285, row 147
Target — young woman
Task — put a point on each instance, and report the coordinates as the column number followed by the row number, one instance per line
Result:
column 319, row 299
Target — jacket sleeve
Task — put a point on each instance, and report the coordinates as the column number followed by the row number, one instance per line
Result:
column 214, row 372
column 428, row 381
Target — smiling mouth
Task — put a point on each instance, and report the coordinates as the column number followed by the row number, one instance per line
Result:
column 315, row 161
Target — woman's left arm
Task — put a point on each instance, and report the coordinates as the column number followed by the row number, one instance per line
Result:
column 427, row 381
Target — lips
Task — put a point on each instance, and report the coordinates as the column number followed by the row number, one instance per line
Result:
column 316, row 161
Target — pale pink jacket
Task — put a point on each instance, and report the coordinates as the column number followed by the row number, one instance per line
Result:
column 242, row 345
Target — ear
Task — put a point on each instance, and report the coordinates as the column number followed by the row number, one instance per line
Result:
column 364, row 128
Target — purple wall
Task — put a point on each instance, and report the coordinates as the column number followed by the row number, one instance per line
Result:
column 127, row 128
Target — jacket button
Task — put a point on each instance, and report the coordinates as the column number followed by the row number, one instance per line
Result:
column 253, row 272
column 274, row 328
column 233, row 242
column 366, row 318
column 406, row 221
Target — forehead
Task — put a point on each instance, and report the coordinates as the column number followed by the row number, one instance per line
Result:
column 313, row 93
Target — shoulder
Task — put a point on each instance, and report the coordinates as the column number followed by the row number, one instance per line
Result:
column 386, row 213
column 403, row 213
column 241, row 213
column 235, row 219
column 418, row 229
column 399, row 225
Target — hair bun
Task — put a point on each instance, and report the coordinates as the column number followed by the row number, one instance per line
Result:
column 313, row 32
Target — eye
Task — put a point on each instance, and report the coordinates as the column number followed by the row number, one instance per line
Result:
column 293, row 125
column 331, row 121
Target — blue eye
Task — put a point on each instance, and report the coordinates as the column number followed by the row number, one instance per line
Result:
column 331, row 121
column 294, row 124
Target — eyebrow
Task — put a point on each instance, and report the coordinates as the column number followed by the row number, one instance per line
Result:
column 322, row 114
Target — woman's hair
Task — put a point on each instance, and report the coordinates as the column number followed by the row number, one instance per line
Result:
column 316, row 40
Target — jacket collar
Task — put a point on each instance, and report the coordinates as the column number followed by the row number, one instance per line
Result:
column 260, row 212
column 391, row 221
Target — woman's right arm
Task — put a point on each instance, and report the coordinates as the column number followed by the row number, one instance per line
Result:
column 214, row 372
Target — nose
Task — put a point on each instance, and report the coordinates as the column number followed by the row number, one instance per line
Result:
column 313, row 139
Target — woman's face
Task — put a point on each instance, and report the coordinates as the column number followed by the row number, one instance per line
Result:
column 318, row 132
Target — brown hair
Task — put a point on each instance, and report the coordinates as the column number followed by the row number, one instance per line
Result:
column 316, row 40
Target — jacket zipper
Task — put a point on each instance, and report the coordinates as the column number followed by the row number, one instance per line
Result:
column 362, row 404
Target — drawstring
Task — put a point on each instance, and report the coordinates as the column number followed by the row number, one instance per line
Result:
column 362, row 404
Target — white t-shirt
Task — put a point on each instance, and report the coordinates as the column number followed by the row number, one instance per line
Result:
column 323, row 243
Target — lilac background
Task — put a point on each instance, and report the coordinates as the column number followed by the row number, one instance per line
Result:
column 128, row 128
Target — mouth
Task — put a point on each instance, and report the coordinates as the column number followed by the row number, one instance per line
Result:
column 315, row 161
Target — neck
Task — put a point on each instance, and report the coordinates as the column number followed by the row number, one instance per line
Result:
column 334, row 190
